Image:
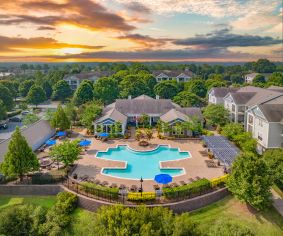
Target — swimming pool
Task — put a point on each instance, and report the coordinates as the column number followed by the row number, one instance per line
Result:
column 145, row 164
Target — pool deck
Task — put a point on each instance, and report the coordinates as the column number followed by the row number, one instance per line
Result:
column 194, row 166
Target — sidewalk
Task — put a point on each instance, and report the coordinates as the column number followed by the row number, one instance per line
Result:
column 277, row 202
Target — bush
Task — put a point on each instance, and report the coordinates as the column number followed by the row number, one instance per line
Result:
column 67, row 201
column 98, row 190
column 220, row 181
column 137, row 197
column 14, row 113
column 195, row 188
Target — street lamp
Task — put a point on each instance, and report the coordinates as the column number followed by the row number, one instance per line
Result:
column 141, row 180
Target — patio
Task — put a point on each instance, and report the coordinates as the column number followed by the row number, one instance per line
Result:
column 196, row 166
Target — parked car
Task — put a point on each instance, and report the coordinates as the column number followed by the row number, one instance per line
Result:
column 3, row 126
column 15, row 119
column 26, row 112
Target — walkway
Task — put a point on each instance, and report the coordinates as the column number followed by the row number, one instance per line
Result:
column 277, row 202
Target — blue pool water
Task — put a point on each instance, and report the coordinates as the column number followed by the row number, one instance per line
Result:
column 142, row 164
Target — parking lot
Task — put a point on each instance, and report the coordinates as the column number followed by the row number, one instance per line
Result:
column 6, row 133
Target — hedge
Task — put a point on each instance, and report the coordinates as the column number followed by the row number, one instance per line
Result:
column 138, row 197
column 219, row 181
column 185, row 191
column 98, row 190
column 14, row 113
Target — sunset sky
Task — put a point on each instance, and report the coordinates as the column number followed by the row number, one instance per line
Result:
column 144, row 30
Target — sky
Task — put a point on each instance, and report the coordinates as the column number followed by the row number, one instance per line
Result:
column 140, row 30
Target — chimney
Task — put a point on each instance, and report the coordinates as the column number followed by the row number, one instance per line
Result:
column 130, row 97
column 157, row 97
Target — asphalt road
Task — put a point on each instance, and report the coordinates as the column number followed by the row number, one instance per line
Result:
column 6, row 133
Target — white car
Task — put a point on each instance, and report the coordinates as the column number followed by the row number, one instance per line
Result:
column 26, row 112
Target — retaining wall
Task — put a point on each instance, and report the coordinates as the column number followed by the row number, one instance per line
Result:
column 93, row 204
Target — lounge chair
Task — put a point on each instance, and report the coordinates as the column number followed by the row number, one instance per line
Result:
column 122, row 186
column 191, row 180
column 183, row 182
column 97, row 181
column 166, row 186
column 113, row 185
column 156, row 187
column 174, row 185
column 134, row 188
column 104, row 183
column 84, row 178
column 198, row 178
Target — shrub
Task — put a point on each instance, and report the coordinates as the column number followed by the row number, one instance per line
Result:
column 14, row 113
column 137, row 197
column 99, row 190
column 67, row 201
column 195, row 188
column 219, row 181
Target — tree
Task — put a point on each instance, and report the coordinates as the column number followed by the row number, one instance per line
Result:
column 83, row 94
column 71, row 112
column 144, row 120
column 231, row 130
column 237, row 79
column 89, row 113
column 30, row 119
column 276, row 79
column 47, row 89
column 196, row 86
column 21, row 220
column 259, row 79
column 106, row 90
column 166, row 89
column 67, row 152
column 216, row 114
column 148, row 134
column 264, row 66
column 6, row 97
column 133, row 85
column 246, row 142
column 12, row 86
column 25, row 86
column 250, row 180
column 61, row 91
column 274, row 160
column 60, row 120
column 3, row 111
column 36, row 95
column 187, row 99
column 215, row 83
column 20, row 159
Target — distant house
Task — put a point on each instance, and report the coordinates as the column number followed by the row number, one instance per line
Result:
column 36, row 135
column 178, row 75
column 265, row 122
column 250, row 77
column 75, row 79
column 129, row 111
column 216, row 95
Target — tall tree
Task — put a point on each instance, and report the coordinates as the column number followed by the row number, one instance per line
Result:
column 60, row 120
column 20, row 159
column 106, row 90
column 187, row 99
column 89, row 112
column 83, row 94
column 132, row 85
column 276, row 79
column 47, row 89
column 36, row 95
column 264, row 66
column 61, row 91
column 250, row 180
column 216, row 114
column 259, row 79
column 3, row 111
column 25, row 86
column 67, row 152
column 6, row 97
column 166, row 89
column 196, row 86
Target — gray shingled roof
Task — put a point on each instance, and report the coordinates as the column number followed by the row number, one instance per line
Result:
column 221, row 92
column 273, row 109
column 112, row 114
column 276, row 88
column 173, row 73
column 242, row 98
column 184, row 114
column 85, row 76
column 36, row 135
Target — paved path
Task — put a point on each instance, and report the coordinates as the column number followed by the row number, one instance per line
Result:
column 277, row 202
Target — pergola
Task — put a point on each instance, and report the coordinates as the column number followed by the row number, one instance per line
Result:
column 222, row 148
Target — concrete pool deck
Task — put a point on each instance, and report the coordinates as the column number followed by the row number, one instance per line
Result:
column 194, row 166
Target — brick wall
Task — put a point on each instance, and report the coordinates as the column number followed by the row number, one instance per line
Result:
column 30, row 189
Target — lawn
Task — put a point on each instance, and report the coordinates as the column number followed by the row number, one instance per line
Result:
column 267, row 223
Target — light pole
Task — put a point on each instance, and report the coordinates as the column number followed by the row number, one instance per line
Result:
column 141, row 180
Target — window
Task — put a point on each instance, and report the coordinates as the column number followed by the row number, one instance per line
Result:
column 233, row 107
column 260, row 123
column 259, row 136
column 251, row 119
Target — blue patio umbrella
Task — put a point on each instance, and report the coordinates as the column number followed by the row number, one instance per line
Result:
column 84, row 143
column 61, row 133
column 163, row 178
column 103, row 134
column 50, row 142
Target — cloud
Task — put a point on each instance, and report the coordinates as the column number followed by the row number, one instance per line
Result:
column 82, row 13
column 223, row 38
column 145, row 40
column 46, row 28
column 137, row 7
column 10, row 44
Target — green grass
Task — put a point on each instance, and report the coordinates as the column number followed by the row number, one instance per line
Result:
column 268, row 223
column 44, row 201
column 262, row 223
